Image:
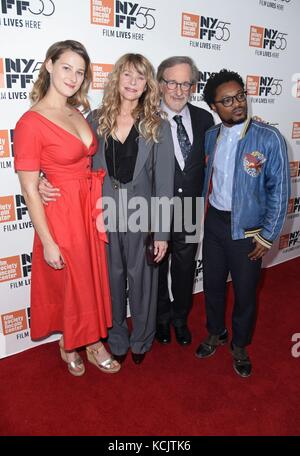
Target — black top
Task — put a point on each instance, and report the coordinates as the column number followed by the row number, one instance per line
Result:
column 121, row 157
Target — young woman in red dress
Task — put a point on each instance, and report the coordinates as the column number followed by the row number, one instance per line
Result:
column 70, row 285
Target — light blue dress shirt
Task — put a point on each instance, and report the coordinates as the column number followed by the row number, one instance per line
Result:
column 223, row 167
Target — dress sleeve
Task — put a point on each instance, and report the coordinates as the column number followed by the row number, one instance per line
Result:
column 27, row 147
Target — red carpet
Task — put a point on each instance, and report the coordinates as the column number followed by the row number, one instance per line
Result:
column 172, row 392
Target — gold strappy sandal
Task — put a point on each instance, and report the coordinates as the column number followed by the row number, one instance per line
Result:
column 75, row 367
column 109, row 365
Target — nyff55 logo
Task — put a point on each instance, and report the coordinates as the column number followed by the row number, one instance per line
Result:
column 204, row 28
column 115, row 13
column 17, row 73
column 41, row 7
column 279, row 5
column 202, row 80
column 289, row 240
column 263, row 86
column 261, row 37
column 294, row 205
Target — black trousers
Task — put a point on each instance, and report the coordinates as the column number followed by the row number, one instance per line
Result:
column 222, row 255
column 182, row 272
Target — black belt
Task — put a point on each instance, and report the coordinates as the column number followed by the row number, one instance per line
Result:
column 224, row 215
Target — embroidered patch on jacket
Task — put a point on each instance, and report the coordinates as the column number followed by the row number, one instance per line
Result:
column 253, row 163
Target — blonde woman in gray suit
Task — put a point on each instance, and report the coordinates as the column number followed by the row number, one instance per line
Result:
column 133, row 138
column 136, row 150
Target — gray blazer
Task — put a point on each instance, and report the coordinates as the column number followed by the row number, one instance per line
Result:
column 164, row 167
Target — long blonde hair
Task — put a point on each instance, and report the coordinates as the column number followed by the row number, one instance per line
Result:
column 147, row 112
column 42, row 83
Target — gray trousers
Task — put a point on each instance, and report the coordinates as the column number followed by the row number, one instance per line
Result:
column 127, row 266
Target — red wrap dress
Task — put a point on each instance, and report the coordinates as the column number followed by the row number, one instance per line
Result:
column 76, row 299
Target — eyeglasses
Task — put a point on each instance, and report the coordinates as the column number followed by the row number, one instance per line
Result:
column 228, row 101
column 172, row 85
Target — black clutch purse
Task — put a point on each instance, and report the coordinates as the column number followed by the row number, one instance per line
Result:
column 149, row 245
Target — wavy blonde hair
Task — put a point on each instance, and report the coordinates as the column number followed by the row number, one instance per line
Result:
column 42, row 83
column 147, row 112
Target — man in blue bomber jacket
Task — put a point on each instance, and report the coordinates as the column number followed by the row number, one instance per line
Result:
column 247, row 187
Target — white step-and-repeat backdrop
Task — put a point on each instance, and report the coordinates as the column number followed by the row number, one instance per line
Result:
column 257, row 38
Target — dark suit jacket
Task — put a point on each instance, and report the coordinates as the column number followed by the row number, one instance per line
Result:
column 189, row 182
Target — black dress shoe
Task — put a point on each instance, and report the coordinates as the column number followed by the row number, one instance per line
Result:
column 241, row 361
column 209, row 345
column 138, row 358
column 183, row 335
column 119, row 358
column 163, row 333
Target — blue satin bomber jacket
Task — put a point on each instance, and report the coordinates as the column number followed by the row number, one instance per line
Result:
column 261, row 182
